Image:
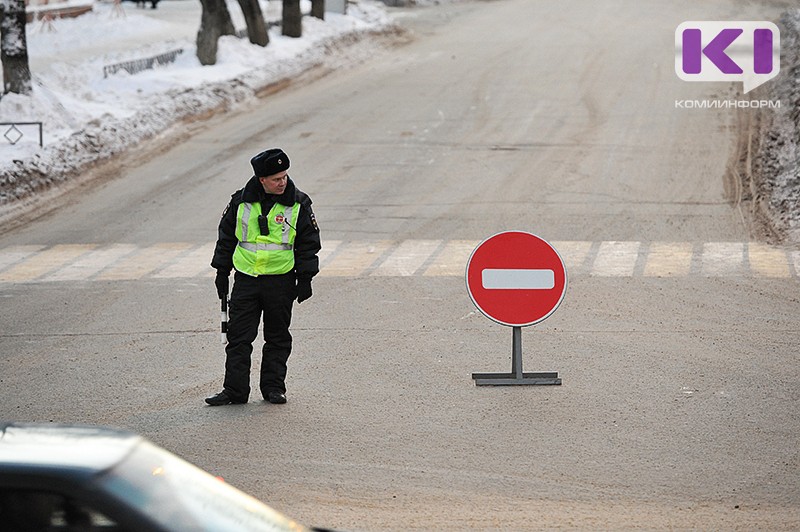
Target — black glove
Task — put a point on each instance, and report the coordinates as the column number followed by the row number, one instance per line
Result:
column 222, row 283
column 303, row 289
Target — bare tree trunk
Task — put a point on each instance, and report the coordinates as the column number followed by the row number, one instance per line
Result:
column 254, row 18
column 14, row 47
column 214, row 22
column 292, row 22
column 318, row 9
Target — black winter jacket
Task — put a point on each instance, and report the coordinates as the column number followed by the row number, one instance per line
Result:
column 307, row 242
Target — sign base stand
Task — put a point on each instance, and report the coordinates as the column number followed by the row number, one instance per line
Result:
column 517, row 376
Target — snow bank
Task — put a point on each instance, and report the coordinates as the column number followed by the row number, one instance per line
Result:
column 776, row 156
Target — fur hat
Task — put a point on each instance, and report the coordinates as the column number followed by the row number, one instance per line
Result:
column 269, row 162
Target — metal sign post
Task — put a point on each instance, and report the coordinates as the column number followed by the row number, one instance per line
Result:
column 516, row 279
column 517, row 376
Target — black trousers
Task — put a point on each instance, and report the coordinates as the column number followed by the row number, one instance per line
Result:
column 272, row 297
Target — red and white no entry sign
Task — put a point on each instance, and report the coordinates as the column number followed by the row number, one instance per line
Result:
column 516, row 278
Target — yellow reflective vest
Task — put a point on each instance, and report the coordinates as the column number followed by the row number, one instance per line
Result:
column 265, row 254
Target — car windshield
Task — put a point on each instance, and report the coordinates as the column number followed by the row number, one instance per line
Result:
column 180, row 496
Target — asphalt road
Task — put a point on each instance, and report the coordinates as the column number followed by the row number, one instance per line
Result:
column 676, row 341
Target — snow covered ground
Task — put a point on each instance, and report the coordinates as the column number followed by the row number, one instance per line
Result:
column 87, row 116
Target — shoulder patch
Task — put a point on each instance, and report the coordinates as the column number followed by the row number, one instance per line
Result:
column 314, row 222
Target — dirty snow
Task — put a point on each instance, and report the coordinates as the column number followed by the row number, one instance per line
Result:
column 776, row 157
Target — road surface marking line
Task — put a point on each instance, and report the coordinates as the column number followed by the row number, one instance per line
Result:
column 71, row 262
column 668, row 259
column 13, row 254
column 354, row 258
column 616, row 259
column 194, row 263
column 573, row 253
column 407, row 258
column 91, row 263
column 501, row 279
column 722, row 259
column 768, row 261
column 40, row 264
column 329, row 247
column 452, row 260
column 145, row 261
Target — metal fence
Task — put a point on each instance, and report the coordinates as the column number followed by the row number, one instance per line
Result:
column 13, row 133
column 138, row 65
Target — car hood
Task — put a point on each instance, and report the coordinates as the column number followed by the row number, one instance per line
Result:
column 63, row 446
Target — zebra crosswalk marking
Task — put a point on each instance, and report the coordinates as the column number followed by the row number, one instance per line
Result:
column 39, row 264
column 385, row 258
column 722, row 259
column 90, row 263
column 407, row 258
column 795, row 259
column 616, row 259
column 452, row 260
column 329, row 247
column 196, row 262
column 359, row 256
column 668, row 259
column 767, row 261
column 145, row 261
column 574, row 253
column 14, row 254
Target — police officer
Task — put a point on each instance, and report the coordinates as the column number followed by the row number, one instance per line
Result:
column 269, row 235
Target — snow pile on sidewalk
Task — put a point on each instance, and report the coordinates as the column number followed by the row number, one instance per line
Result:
column 776, row 162
column 88, row 117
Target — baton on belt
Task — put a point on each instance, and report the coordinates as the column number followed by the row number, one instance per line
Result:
column 224, row 318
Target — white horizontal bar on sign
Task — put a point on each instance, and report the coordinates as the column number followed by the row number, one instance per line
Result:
column 498, row 279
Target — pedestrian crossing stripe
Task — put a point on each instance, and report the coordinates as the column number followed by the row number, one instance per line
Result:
column 408, row 258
